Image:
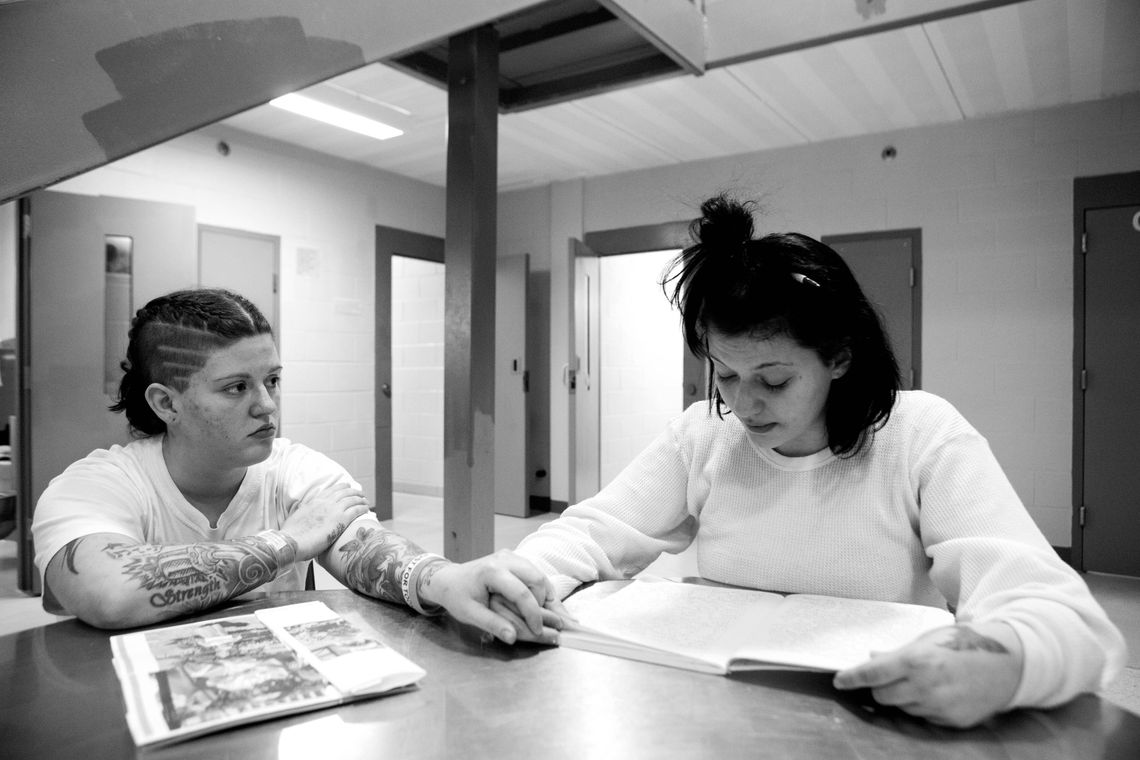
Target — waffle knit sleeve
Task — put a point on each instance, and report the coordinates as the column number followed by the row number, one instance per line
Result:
column 992, row 563
column 626, row 526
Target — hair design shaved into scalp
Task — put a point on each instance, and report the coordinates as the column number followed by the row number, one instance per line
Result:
column 172, row 337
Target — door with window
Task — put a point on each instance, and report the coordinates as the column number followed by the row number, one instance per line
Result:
column 89, row 263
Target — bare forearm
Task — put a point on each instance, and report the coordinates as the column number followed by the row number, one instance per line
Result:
column 114, row 584
column 383, row 564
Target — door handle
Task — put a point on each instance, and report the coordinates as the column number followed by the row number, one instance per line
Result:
column 386, row 390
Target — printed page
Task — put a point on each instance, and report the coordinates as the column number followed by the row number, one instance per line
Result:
column 687, row 619
column 185, row 680
column 351, row 656
column 831, row 633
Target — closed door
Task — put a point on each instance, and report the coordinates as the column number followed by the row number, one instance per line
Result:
column 69, row 268
column 1110, row 534
column 511, row 457
column 886, row 265
column 244, row 262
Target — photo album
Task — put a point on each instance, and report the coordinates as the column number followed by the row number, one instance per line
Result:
column 721, row 629
column 181, row 681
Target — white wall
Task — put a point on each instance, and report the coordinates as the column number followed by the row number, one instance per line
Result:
column 994, row 200
column 328, row 209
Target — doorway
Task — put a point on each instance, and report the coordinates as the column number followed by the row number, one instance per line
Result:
column 409, row 374
column 640, row 357
column 599, row 454
column 423, row 263
column 1106, row 361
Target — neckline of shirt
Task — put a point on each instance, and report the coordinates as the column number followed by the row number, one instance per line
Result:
column 188, row 511
column 793, row 464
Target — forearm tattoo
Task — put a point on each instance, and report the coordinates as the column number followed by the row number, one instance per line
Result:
column 373, row 561
column 191, row 577
column 966, row 639
column 425, row 575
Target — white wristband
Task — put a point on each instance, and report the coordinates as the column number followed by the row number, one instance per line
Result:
column 408, row 585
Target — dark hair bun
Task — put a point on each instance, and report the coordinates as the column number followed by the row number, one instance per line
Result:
column 724, row 223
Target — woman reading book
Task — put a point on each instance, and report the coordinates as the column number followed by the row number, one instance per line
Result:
column 810, row 471
column 208, row 503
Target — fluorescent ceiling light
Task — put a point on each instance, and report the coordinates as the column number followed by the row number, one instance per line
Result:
column 338, row 117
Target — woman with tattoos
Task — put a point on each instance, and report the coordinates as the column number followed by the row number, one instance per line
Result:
column 208, row 503
column 810, row 471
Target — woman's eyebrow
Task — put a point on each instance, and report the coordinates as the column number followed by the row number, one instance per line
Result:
column 246, row 375
column 755, row 367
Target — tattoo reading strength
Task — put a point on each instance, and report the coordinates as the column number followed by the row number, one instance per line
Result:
column 966, row 639
column 196, row 576
column 374, row 559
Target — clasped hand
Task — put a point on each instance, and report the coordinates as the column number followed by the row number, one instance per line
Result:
column 956, row 676
column 502, row 594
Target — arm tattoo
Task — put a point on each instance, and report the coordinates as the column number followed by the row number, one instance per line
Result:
column 373, row 561
column 966, row 639
column 69, row 555
column 334, row 534
column 196, row 576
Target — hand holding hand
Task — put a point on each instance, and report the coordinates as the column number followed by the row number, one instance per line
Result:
column 956, row 676
column 502, row 593
column 320, row 519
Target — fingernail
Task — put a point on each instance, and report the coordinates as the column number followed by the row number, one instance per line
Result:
column 507, row 635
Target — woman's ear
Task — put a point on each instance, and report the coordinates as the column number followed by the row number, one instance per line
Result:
column 841, row 363
column 161, row 400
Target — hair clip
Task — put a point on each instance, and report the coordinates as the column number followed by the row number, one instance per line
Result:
column 803, row 279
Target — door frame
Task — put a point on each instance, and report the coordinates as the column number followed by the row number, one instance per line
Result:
column 1088, row 193
column 390, row 242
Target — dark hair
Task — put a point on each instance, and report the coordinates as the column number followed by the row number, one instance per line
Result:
column 172, row 337
column 786, row 284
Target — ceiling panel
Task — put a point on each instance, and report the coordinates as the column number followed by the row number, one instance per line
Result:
column 1026, row 55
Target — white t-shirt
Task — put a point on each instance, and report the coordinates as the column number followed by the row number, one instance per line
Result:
column 128, row 490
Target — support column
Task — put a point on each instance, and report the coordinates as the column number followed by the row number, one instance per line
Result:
column 469, row 259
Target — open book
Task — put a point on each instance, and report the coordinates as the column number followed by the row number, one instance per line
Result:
column 716, row 629
column 185, row 680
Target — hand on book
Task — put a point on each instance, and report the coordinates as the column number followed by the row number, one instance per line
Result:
column 955, row 676
column 502, row 593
